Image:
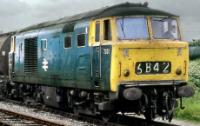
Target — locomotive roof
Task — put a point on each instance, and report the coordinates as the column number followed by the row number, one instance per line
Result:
column 6, row 34
column 124, row 9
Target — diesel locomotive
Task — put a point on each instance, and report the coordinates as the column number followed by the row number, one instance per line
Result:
column 126, row 58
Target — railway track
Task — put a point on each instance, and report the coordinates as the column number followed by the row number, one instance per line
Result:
column 118, row 120
column 11, row 118
column 136, row 121
column 126, row 121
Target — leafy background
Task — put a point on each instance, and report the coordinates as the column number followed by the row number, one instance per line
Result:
column 192, row 105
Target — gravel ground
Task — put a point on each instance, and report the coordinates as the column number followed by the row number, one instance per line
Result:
column 180, row 122
column 43, row 115
column 185, row 123
column 174, row 121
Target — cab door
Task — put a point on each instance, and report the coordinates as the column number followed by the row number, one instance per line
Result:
column 96, row 54
column 82, row 58
column 101, row 53
column 11, row 57
column 68, row 56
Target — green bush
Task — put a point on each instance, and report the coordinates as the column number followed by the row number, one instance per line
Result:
column 194, row 43
column 194, row 48
column 194, row 52
column 194, row 73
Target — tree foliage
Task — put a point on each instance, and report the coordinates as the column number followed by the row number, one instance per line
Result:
column 195, row 43
column 194, row 49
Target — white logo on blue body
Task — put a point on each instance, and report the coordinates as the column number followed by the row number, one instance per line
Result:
column 45, row 64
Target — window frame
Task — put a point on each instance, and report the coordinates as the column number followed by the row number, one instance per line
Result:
column 70, row 42
column 178, row 27
column 46, row 47
column 77, row 40
column 13, row 44
column 110, row 24
column 98, row 22
column 147, row 25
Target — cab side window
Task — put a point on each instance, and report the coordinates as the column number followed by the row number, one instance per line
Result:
column 107, row 30
column 81, row 40
column 97, row 31
column 13, row 44
column 67, row 42
column 44, row 44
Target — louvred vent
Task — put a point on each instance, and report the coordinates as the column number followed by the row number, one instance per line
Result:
column 30, row 53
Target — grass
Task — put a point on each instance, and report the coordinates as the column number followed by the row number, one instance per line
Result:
column 192, row 110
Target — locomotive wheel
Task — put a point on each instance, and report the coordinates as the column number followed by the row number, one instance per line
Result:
column 107, row 116
column 76, row 111
column 149, row 115
column 171, row 116
column 170, row 105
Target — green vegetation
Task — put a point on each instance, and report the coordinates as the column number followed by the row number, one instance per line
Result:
column 195, row 43
column 192, row 110
column 194, row 49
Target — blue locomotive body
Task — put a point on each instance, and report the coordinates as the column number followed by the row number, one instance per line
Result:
column 60, row 57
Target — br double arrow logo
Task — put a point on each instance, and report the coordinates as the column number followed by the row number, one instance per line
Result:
column 45, row 64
